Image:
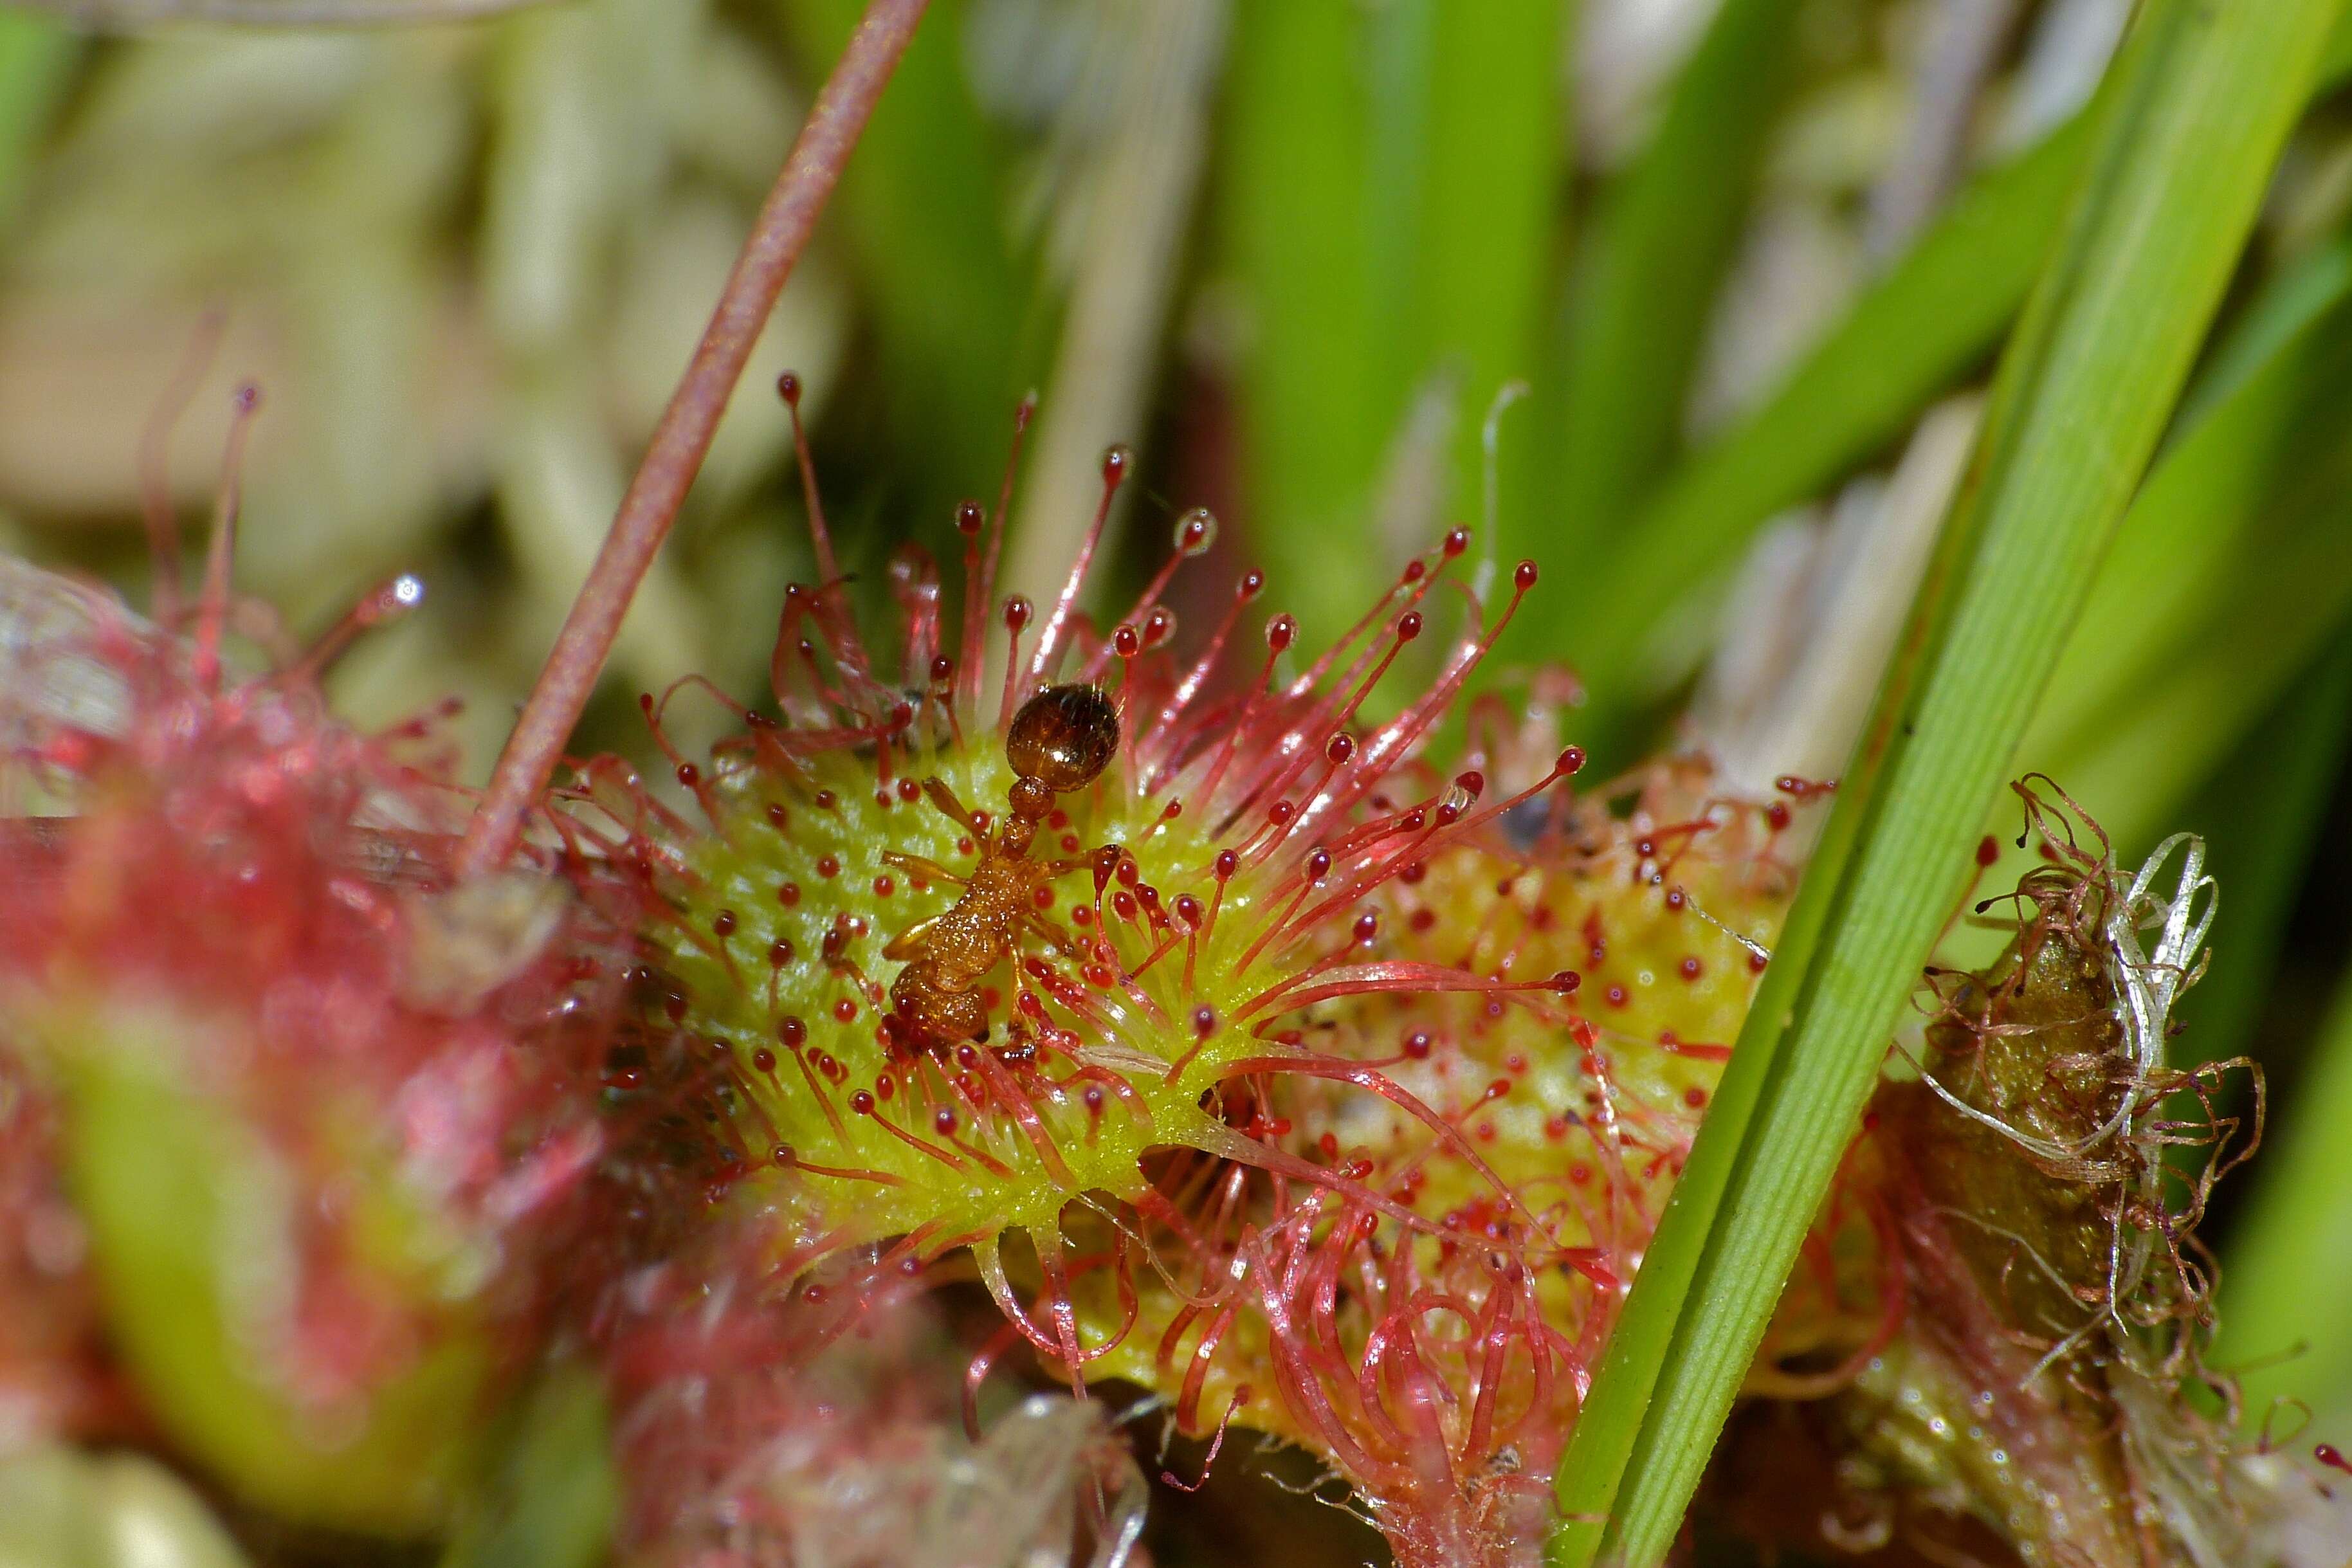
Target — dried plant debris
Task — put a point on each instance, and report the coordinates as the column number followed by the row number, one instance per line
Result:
column 2011, row 1252
column 817, row 1425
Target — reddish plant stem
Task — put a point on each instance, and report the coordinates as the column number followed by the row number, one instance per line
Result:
column 674, row 456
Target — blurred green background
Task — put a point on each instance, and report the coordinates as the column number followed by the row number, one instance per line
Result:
column 1691, row 299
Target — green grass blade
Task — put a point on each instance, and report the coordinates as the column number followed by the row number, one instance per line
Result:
column 1497, row 155
column 2182, row 151
column 2233, row 569
column 2289, row 304
column 2265, row 625
column 2215, row 514
column 2226, row 575
column 1908, row 338
column 1315, row 402
column 2260, row 815
column 2293, row 1260
column 1652, row 264
column 1388, row 177
column 923, row 207
column 551, row 1493
column 34, row 52
column 2335, row 61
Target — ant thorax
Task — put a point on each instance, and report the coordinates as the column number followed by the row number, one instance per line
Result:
column 1059, row 743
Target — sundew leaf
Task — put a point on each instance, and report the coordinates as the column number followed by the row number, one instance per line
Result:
column 2181, row 151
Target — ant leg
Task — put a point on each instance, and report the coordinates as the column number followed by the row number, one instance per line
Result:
column 1070, row 863
column 1057, row 936
column 915, row 865
column 941, row 796
column 908, row 943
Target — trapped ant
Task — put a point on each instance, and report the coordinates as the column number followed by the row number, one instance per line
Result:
column 1061, row 741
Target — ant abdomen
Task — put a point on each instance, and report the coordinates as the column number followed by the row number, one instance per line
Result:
column 1064, row 737
column 935, row 1013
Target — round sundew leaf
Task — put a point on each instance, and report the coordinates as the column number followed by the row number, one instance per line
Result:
column 192, row 1221
column 60, row 1508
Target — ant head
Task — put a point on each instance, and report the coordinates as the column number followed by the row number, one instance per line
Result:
column 1064, row 737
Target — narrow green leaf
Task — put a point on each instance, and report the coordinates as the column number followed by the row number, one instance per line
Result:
column 2265, row 625
column 1908, row 338
column 1390, row 176
column 551, row 1494
column 2259, row 815
column 35, row 54
column 1651, row 269
column 2226, row 574
column 923, row 207
column 2182, row 150
column 2336, row 61
column 2289, row 304
column 1315, row 407
column 1496, row 159
column 2218, row 512
column 2293, row 1257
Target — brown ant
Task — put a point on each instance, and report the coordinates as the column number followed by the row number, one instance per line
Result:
column 1061, row 741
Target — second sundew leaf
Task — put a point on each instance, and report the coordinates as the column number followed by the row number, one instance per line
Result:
column 2182, row 151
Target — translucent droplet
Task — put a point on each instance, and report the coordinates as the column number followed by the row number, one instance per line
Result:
column 1196, row 531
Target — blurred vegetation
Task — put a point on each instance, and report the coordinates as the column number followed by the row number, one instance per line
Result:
column 1668, row 288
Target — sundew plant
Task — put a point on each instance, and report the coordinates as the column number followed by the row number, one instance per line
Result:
column 1033, row 781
